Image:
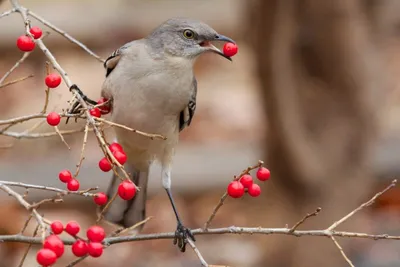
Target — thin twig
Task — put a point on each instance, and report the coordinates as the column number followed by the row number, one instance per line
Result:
column 47, row 90
column 198, row 254
column 62, row 137
column 27, row 206
column 84, row 193
column 16, row 80
column 34, row 116
column 55, row 199
column 366, row 204
column 342, row 252
column 75, row 262
column 106, row 207
column 8, row 12
column 26, row 224
column 151, row 136
column 125, row 230
column 315, row 213
column 40, row 135
column 215, row 231
column 16, row 65
column 82, row 157
column 224, row 196
column 28, row 248
column 66, row 35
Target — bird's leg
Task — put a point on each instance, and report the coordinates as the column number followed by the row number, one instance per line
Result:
column 76, row 106
column 182, row 233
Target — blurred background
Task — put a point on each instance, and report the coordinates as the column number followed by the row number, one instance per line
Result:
column 313, row 91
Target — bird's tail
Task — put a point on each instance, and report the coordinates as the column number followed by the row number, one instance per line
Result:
column 128, row 212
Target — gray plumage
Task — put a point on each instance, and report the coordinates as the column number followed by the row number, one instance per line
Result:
column 152, row 88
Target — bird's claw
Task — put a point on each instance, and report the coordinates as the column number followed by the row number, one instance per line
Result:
column 181, row 237
column 76, row 106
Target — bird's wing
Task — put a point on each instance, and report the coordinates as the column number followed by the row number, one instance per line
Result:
column 186, row 115
column 112, row 61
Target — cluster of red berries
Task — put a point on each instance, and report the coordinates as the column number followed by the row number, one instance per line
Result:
column 230, row 49
column 65, row 176
column 53, row 247
column 26, row 43
column 102, row 109
column 236, row 189
column 126, row 189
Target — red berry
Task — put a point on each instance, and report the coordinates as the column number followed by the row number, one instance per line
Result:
column 73, row 185
column 254, row 190
column 263, row 174
column 115, row 147
column 105, row 165
column 95, row 112
column 25, row 43
column 53, row 118
column 53, row 80
column 230, row 49
column 95, row 233
column 57, row 227
column 72, row 228
column 120, row 156
column 105, row 109
column 46, row 257
column 100, row 199
column 235, row 189
column 95, row 249
column 36, row 32
column 55, row 244
column 79, row 248
column 65, row 176
column 126, row 190
column 246, row 180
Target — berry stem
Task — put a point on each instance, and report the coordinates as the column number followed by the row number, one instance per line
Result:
column 225, row 195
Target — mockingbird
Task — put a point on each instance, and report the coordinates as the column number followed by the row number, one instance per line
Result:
column 151, row 87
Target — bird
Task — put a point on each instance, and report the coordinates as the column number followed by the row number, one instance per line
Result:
column 151, row 86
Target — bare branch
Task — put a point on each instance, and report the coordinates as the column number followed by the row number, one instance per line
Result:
column 26, row 205
column 16, row 65
column 366, row 204
column 62, row 137
column 198, row 254
column 82, row 157
column 151, row 136
column 8, row 12
column 125, row 230
column 84, row 193
column 40, row 135
column 66, row 35
column 215, row 231
column 28, row 248
column 33, row 116
column 47, row 90
column 342, row 252
column 315, row 213
column 16, row 81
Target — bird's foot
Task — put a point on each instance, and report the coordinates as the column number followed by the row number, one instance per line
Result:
column 76, row 107
column 181, row 237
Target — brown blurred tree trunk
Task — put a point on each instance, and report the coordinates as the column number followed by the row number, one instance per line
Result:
column 321, row 75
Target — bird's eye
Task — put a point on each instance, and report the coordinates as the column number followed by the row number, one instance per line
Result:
column 188, row 34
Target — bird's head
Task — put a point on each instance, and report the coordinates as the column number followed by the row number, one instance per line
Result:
column 186, row 38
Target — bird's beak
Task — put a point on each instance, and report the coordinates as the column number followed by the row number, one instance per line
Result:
column 212, row 48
